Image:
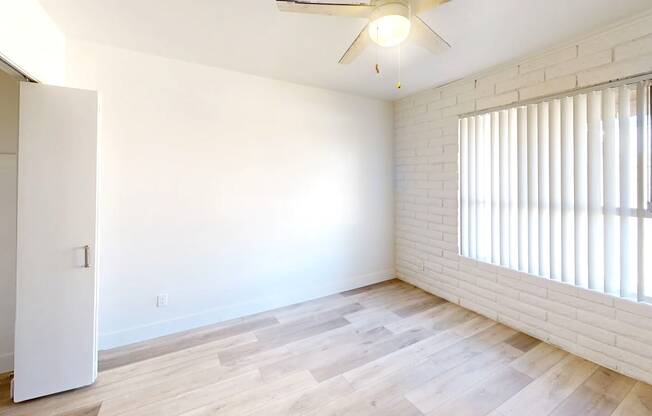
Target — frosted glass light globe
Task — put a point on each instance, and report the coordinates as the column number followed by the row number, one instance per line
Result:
column 389, row 30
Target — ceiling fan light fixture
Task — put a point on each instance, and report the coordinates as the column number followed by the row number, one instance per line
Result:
column 390, row 24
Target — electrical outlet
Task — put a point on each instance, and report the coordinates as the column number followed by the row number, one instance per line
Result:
column 423, row 266
column 162, row 300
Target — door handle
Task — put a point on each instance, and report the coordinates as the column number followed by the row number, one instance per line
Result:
column 86, row 261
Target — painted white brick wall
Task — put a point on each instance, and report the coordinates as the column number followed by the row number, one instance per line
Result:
column 613, row 332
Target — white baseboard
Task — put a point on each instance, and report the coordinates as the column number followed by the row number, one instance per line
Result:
column 211, row 316
column 6, row 362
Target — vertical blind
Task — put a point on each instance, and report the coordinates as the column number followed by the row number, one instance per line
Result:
column 561, row 188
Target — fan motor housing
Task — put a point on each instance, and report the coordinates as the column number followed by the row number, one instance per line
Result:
column 390, row 8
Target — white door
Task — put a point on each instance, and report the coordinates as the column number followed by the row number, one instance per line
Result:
column 56, row 313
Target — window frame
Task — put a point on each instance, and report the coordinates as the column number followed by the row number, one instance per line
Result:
column 649, row 151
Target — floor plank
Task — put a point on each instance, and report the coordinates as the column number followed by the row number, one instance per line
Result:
column 250, row 400
column 202, row 396
column 309, row 401
column 545, row 393
column 93, row 410
column 599, row 395
column 538, row 360
column 486, row 396
column 455, row 382
column 361, row 356
column 522, row 342
column 637, row 403
column 419, row 306
column 329, row 355
column 171, row 343
column 364, row 289
column 384, row 350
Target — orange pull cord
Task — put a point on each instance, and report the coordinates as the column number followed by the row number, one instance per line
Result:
column 377, row 46
column 398, row 84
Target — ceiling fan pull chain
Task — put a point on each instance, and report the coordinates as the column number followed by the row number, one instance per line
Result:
column 377, row 47
column 398, row 83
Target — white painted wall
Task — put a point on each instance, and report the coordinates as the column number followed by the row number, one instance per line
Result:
column 230, row 192
column 30, row 40
column 9, row 89
column 8, row 146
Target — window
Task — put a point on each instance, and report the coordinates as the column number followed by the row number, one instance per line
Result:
column 561, row 189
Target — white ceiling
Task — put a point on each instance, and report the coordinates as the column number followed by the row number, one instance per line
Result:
column 253, row 36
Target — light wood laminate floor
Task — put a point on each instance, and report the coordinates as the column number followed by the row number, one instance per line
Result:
column 387, row 349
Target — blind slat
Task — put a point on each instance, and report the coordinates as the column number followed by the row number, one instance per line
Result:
column 522, row 190
column 496, row 234
column 544, row 189
column 472, row 194
column 554, row 132
column 567, row 192
column 594, row 192
column 533, row 189
column 581, row 197
column 464, row 186
column 610, row 184
column 503, row 177
column 626, row 164
column 512, row 120
column 482, row 172
column 641, row 168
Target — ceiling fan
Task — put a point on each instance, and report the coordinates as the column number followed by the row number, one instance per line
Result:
column 391, row 22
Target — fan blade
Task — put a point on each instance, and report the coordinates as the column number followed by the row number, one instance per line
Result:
column 331, row 9
column 356, row 47
column 424, row 36
column 421, row 6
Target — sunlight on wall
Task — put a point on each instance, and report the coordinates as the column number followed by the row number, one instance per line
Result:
column 30, row 40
